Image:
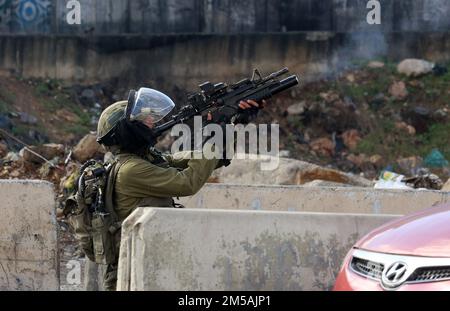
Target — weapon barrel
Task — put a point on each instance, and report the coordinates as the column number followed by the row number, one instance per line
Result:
column 285, row 84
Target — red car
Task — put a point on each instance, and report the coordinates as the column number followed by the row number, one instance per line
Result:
column 408, row 254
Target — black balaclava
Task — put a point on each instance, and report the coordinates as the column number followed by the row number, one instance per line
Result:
column 134, row 136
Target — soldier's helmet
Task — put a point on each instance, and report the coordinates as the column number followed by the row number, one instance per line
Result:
column 110, row 118
column 142, row 105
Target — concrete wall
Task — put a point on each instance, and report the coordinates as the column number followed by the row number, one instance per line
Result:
column 311, row 199
column 187, row 60
column 28, row 237
column 219, row 16
column 191, row 250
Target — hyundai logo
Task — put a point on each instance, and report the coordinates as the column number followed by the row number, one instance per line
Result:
column 394, row 276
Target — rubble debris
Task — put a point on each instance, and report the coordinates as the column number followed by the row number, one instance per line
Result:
column 375, row 65
column 297, row 109
column 329, row 97
column 48, row 151
column 323, row 146
column 12, row 157
column 429, row 181
column 415, row 67
column 377, row 161
column 398, row 90
column 87, row 149
column 440, row 114
column 351, row 139
column 405, row 127
column 358, row 160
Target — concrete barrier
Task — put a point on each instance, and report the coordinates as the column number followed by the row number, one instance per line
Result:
column 314, row 199
column 187, row 250
column 28, row 236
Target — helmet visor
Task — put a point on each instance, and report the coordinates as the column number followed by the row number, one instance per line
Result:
column 151, row 104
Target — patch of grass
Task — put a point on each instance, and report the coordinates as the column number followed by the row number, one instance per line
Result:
column 20, row 130
column 438, row 136
column 77, row 129
column 392, row 143
column 8, row 96
column 85, row 118
column 3, row 107
column 42, row 89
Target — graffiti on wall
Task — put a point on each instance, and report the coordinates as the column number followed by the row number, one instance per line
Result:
column 25, row 15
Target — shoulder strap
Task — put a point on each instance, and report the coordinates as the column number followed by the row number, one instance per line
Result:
column 110, row 185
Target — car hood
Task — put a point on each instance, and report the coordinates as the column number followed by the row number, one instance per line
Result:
column 426, row 233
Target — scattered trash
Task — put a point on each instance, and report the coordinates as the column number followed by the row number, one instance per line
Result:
column 390, row 180
column 435, row 160
column 429, row 181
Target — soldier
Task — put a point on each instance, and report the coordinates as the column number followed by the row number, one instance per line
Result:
column 145, row 177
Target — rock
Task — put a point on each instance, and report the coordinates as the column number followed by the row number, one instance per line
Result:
column 415, row 67
column 12, row 157
column 87, row 149
column 351, row 139
column 358, row 160
column 323, row 146
column 14, row 174
column 446, row 186
column 440, row 114
column 296, row 109
column 27, row 118
column 3, row 150
column 288, row 172
column 350, row 78
column 410, row 166
column 398, row 90
column 329, row 97
column 48, row 151
column 405, row 127
column 377, row 161
column 375, row 65
column 67, row 115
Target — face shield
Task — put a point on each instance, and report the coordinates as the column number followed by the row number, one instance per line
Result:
column 150, row 107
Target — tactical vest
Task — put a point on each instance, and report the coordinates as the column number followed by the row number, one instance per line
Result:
column 92, row 216
column 97, row 228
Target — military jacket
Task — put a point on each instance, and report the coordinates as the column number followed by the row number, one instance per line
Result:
column 153, row 181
